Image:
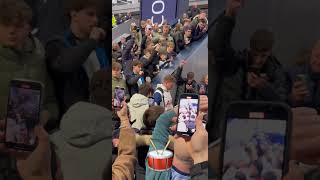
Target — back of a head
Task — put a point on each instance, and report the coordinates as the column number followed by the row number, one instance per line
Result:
column 163, row 50
column 262, row 40
column 187, row 28
column 151, row 115
column 146, row 89
column 100, row 88
column 168, row 78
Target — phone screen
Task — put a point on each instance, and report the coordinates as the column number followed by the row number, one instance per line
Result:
column 119, row 95
column 22, row 115
column 188, row 111
column 254, row 148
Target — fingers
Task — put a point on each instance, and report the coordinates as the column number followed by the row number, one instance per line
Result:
column 306, row 149
column 41, row 134
column 304, row 111
column 302, row 94
column 175, row 120
column 294, row 173
column 44, row 118
column 199, row 125
column 174, row 126
column 306, row 130
column 124, row 105
column 253, row 75
column 203, row 106
column 298, row 84
column 303, row 122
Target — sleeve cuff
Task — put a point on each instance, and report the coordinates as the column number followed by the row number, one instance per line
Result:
column 198, row 168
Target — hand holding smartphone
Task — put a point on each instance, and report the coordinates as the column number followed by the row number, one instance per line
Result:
column 302, row 78
column 187, row 113
column 256, row 140
column 23, row 114
column 119, row 95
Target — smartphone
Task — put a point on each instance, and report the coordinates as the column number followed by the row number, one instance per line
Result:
column 187, row 113
column 256, row 140
column 119, row 94
column 23, row 114
column 151, row 101
column 301, row 78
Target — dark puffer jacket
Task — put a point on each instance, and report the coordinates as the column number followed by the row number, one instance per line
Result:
column 232, row 68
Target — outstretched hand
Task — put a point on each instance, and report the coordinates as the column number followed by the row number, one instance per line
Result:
column 198, row 146
column 31, row 165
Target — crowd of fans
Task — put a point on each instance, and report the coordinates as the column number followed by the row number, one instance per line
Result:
column 255, row 74
column 136, row 61
column 73, row 65
column 120, row 18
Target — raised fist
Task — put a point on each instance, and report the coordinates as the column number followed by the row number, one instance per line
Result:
column 97, row 34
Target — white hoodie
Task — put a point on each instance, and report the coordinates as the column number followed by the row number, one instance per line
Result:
column 137, row 106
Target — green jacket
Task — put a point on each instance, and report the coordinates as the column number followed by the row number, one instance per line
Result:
column 28, row 63
column 120, row 83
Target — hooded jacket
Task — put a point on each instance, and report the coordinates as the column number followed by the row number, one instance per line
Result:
column 137, row 106
column 84, row 140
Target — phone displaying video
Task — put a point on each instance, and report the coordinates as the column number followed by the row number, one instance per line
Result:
column 188, row 111
column 255, row 144
column 23, row 112
column 119, row 94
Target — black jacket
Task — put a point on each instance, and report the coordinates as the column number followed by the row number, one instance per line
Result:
column 65, row 67
column 148, row 66
column 197, row 34
column 232, row 68
column 181, row 84
column 132, row 81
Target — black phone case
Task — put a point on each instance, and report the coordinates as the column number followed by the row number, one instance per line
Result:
column 182, row 133
column 25, row 147
column 259, row 103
